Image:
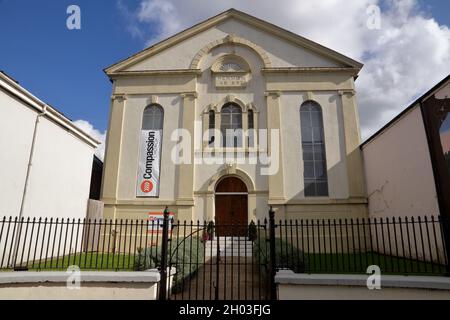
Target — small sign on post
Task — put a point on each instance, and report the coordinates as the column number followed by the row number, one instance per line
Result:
column 156, row 220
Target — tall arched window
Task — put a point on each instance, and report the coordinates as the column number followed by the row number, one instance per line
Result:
column 231, row 125
column 153, row 118
column 313, row 144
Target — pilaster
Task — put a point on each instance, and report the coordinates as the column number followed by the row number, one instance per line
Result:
column 113, row 152
column 355, row 170
column 186, row 170
column 276, row 181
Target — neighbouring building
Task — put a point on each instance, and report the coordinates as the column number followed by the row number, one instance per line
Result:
column 407, row 162
column 224, row 81
column 45, row 160
column 96, row 179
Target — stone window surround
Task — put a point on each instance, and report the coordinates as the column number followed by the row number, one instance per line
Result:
column 217, row 110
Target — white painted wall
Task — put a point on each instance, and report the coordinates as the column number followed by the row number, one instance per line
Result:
column 16, row 132
column 399, row 172
column 60, row 175
column 59, row 179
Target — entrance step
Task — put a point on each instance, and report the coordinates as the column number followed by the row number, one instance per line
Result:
column 229, row 246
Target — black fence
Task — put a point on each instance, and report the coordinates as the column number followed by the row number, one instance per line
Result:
column 196, row 260
column 405, row 246
column 55, row 244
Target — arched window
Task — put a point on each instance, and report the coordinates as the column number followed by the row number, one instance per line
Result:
column 153, row 118
column 231, row 125
column 211, row 127
column 313, row 144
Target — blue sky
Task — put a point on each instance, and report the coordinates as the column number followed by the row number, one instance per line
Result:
column 65, row 68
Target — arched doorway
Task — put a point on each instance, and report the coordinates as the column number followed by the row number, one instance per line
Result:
column 231, row 201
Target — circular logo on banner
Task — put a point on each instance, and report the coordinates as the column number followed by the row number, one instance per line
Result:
column 146, row 186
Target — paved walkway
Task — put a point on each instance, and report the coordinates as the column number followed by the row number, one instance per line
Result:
column 238, row 279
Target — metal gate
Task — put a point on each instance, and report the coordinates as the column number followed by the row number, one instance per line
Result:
column 196, row 264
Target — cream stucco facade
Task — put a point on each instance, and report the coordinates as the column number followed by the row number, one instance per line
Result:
column 280, row 72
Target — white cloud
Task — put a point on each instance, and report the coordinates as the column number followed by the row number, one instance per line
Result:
column 94, row 133
column 407, row 56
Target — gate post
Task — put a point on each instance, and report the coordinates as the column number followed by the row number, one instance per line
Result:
column 445, row 230
column 164, row 248
column 273, row 264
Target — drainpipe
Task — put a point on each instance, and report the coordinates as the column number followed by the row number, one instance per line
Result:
column 27, row 178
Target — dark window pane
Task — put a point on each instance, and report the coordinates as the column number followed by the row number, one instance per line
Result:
column 212, row 120
column 310, row 188
column 305, row 118
column 322, row 189
column 250, row 120
column 237, row 121
column 314, row 156
column 153, row 118
column 226, row 120
column 319, row 152
column 231, row 119
column 307, row 134
column 318, row 134
column 320, row 170
column 307, row 152
column 316, row 119
column 309, row 170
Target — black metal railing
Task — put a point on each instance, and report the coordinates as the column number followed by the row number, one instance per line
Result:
column 203, row 260
column 407, row 246
column 56, row 244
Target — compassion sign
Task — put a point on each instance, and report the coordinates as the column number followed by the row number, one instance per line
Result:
column 149, row 164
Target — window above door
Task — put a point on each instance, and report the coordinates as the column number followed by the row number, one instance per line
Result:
column 231, row 71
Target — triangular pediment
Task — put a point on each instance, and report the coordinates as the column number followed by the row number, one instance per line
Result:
column 278, row 48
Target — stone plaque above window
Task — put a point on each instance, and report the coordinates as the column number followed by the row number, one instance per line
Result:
column 231, row 71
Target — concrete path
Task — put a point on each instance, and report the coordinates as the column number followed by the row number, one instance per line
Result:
column 238, row 278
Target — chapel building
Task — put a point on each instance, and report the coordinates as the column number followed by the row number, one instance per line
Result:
column 268, row 118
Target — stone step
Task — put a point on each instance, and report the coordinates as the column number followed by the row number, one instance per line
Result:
column 231, row 238
column 243, row 250
column 229, row 241
column 229, row 245
column 222, row 249
column 229, row 253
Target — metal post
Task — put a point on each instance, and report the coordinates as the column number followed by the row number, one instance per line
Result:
column 445, row 227
column 164, row 248
column 273, row 266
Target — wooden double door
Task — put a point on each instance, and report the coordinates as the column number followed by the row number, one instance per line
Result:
column 231, row 202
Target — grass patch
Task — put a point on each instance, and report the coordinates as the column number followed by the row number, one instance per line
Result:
column 85, row 261
column 290, row 257
column 359, row 262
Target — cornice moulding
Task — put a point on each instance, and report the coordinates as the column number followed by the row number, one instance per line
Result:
column 149, row 73
column 294, row 70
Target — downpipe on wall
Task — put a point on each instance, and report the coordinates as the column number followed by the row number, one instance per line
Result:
column 25, row 188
